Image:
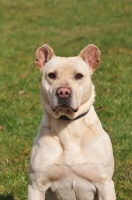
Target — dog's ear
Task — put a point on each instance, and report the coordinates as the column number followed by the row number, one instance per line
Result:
column 91, row 55
column 43, row 55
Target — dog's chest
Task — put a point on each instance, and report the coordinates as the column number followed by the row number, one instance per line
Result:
column 76, row 189
column 69, row 163
column 75, row 155
column 70, row 147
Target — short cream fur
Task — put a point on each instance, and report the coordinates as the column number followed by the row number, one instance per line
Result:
column 70, row 159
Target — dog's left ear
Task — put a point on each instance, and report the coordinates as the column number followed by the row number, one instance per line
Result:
column 91, row 55
column 43, row 55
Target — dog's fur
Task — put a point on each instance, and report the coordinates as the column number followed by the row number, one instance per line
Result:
column 72, row 156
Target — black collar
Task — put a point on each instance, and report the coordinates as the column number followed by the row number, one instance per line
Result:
column 63, row 117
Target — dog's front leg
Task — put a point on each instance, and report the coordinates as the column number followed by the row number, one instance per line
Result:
column 106, row 191
column 35, row 194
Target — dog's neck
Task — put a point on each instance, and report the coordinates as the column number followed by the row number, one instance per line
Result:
column 90, row 117
column 63, row 117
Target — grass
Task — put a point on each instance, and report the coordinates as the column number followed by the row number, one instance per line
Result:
column 67, row 26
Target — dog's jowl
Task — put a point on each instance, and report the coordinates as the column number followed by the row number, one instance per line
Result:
column 72, row 157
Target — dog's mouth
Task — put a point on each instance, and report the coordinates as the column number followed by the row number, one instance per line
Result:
column 63, row 107
column 63, row 101
column 63, row 104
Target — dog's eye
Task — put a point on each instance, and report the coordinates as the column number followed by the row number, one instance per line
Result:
column 78, row 76
column 52, row 75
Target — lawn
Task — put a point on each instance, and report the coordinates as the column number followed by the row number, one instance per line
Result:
column 67, row 26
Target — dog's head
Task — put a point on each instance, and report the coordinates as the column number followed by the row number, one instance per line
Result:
column 67, row 88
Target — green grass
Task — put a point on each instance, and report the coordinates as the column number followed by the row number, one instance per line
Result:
column 67, row 26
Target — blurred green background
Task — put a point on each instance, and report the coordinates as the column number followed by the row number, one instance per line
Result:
column 67, row 26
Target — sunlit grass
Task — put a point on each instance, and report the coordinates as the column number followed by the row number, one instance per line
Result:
column 67, row 26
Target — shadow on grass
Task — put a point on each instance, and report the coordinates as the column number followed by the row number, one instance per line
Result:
column 6, row 197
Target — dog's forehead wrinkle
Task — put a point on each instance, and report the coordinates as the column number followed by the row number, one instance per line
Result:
column 54, row 63
column 66, row 64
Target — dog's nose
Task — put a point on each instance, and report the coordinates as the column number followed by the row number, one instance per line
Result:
column 63, row 92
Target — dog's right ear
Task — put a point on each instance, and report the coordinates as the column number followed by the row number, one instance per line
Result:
column 43, row 55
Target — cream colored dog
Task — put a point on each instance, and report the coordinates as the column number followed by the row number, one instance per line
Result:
column 72, row 156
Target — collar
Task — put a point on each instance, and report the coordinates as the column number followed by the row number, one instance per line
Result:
column 63, row 117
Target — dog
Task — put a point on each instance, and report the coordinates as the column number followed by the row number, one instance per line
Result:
column 72, row 156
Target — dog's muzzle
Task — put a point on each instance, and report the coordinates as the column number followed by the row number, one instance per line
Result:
column 64, row 99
